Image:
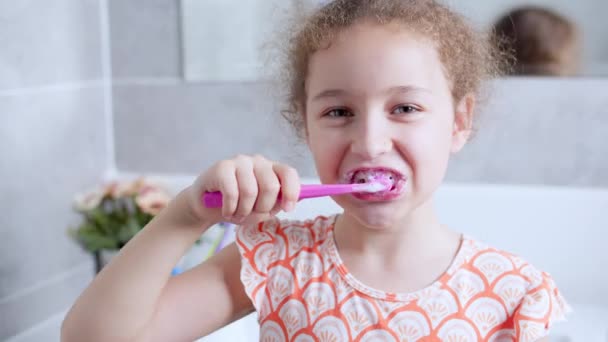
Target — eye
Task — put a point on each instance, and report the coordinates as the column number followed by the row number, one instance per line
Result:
column 405, row 109
column 338, row 113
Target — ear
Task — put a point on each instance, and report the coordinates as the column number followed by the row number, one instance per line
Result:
column 463, row 122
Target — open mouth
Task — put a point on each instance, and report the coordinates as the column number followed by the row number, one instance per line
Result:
column 392, row 180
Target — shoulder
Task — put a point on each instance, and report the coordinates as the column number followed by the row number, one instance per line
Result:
column 523, row 294
column 497, row 267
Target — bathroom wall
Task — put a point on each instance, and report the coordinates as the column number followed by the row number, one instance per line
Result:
column 64, row 125
column 187, row 125
column 533, row 131
column 53, row 143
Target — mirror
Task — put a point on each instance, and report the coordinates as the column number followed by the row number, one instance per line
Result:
column 222, row 40
column 584, row 16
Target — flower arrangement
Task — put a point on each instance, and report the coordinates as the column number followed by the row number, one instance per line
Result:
column 113, row 213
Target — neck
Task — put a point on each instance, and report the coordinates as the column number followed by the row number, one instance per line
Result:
column 415, row 234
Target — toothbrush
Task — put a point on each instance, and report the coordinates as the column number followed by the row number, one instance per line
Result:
column 214, row 199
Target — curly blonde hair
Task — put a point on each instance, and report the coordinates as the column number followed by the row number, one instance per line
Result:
column 469, row 56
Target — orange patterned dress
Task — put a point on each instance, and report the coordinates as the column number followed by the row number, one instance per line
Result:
column 302, row 292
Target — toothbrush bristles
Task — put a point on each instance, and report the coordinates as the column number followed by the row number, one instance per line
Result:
column 372, row 187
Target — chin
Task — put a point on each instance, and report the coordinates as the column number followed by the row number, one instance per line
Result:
column 377, row 217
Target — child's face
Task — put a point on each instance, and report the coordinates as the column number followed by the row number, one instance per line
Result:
column 378, row 103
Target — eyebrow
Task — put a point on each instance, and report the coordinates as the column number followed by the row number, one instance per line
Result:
column 398, row 89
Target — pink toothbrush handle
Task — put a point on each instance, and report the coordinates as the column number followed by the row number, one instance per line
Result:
column 214, row 199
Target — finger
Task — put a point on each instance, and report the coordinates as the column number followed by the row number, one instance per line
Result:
column 248, row 188
column 228, row 186
column 268, row 187
column 290, row 185
column 276, row 209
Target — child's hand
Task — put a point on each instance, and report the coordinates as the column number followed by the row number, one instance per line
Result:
column 250, row 186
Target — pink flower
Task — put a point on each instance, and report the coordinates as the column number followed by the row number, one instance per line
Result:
column 152, row 201
column 89, row 200
column 126, row 188
column 118, row 189
column 149, row 195
column 143, row 185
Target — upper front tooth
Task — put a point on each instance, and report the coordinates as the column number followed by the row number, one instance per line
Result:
column 382, row 176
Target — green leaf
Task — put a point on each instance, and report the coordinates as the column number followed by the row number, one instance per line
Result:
column 144, row 218
column 101, row 220
column 128, row 230
column 94, row 240
column 111, row 225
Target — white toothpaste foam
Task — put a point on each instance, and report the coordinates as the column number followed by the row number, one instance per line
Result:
column 372, row 187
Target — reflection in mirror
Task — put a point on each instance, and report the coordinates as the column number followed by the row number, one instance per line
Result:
column 543, row 42
column 550, row 37
column 222, row 39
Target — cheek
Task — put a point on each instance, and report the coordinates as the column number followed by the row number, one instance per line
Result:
column 439, row 133
column 428, row 148
column 326, row 149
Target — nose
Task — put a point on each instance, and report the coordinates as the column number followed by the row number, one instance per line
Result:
column 371, row 137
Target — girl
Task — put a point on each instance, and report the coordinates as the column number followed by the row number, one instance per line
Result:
column 378, row 89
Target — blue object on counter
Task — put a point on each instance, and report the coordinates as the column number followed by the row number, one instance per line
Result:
column 175, row 271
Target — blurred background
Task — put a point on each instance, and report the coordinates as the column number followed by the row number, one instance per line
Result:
column 94, row 91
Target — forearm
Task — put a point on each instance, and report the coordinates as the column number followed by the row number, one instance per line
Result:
column 123, row 297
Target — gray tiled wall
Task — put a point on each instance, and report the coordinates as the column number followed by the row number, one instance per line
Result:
column 53, row 144
column 185, row 128
column 533, row 131
column 162, row 124
column 49, row 42
column 540, row 131
column 557, row 137
column 145, row 38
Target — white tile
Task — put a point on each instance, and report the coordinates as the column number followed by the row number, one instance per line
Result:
column 145, row 38
column 48, row 42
